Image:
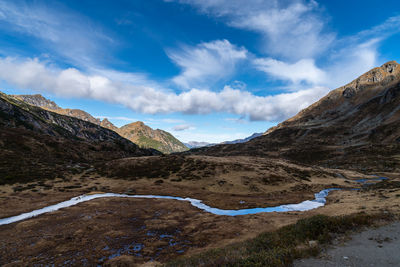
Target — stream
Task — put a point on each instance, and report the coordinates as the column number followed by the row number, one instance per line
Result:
column 318, row 201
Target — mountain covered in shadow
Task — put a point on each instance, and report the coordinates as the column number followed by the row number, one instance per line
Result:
column 36, row 142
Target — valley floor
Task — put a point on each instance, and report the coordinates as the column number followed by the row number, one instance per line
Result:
column 155, row 230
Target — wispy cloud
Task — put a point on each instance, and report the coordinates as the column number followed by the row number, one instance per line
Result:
column 300, row 47
column 183, row 127
column 68, row 34
column 294, row 35
column 282, row 24
column 206, row 63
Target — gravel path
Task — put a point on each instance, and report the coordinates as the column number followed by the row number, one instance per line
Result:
column 375, row 247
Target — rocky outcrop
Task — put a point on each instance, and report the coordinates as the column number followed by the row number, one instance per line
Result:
column 80, row 114
column 42, row 102
column 38, row 100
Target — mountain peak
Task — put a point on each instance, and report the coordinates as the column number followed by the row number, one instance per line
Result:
column 138, row 124
column 145, row 136
column 107, row 124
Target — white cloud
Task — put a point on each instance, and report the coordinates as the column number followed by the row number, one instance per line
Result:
column 183, row 127
column 206, row 62
column 240, row 120
column 36, row 75
column 303, row 70
column 299, row 46
column 172, row 121
column 124, row 77
column 167, row 120
column 291, row 29
column 350, row 57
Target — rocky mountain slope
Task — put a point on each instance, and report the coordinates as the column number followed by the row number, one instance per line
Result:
column 37, row 143
column 146, row 137
column 42, row 102
column 137, row 132
column 356, row 126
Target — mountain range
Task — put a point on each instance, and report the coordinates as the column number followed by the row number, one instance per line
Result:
column 356, row 126
column 137, row 132
column 195, row 144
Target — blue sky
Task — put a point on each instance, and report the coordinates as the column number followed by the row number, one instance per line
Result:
column 205, row 70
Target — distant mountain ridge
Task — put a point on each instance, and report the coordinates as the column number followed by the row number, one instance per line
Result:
column 195, row 144
column 137, row 132
column 238, row 141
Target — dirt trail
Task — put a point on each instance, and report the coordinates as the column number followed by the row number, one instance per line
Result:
column 374, row 247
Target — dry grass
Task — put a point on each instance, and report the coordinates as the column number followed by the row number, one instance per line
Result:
column 281, row 247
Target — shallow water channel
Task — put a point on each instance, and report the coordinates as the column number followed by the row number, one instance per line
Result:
column 318, row 201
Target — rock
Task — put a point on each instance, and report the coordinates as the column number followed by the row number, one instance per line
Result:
column 349, row 92
column 38, row 100
column 313, row 243
column 390, row 66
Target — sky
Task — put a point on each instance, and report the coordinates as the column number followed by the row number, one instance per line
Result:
column 204, row 70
